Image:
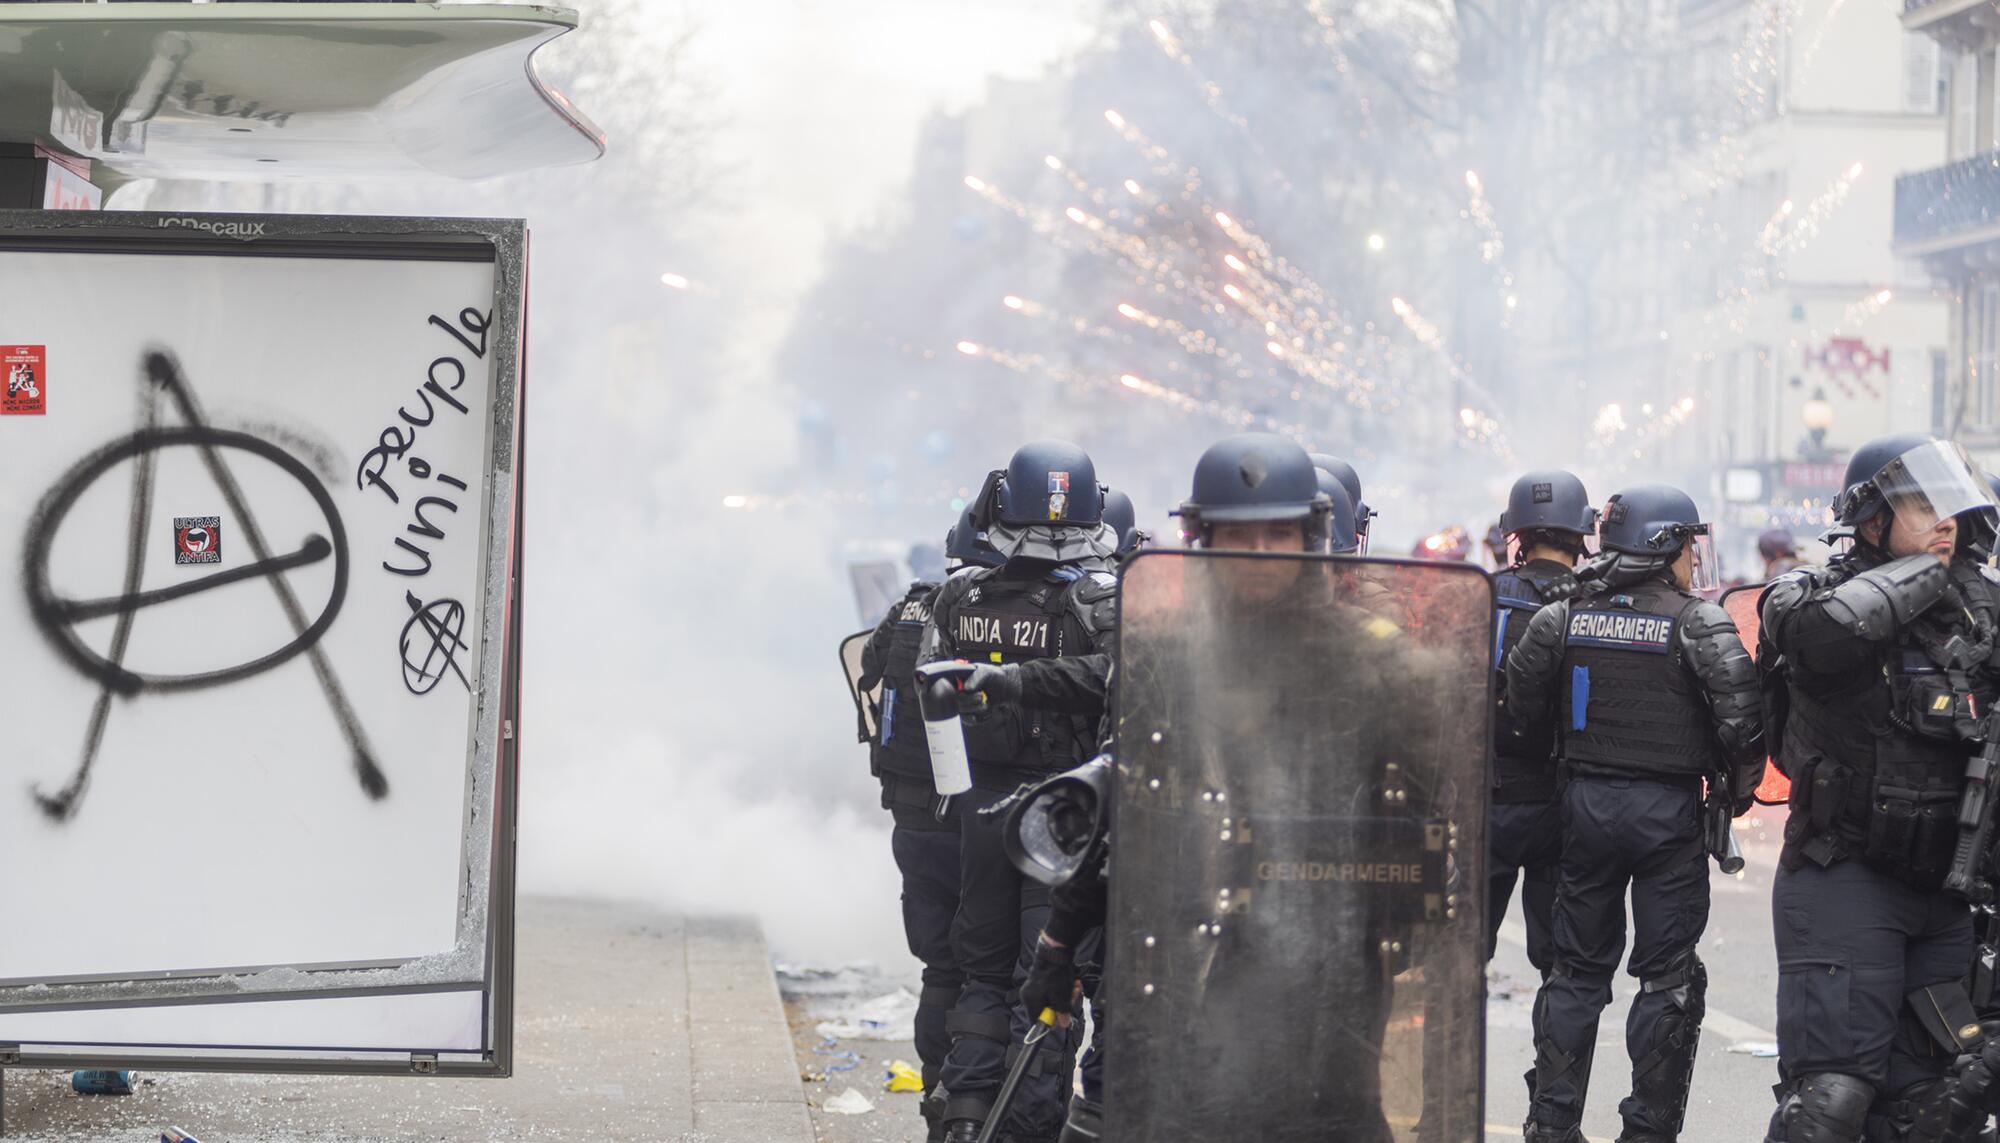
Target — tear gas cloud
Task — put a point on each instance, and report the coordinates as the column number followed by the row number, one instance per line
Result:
column 836, row 266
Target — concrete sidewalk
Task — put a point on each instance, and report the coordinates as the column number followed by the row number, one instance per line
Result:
column 633, row 1025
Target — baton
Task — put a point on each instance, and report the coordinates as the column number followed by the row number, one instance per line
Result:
column 1029, row 1043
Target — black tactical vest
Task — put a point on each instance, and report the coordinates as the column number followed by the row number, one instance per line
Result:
column 1877, row 761
column 1003, row 618
column 1524, row 768
column 1629, row 705
column 903, row 753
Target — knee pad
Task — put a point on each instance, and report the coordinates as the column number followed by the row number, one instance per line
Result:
column 1824, row 1107
column 993, row 1026
column 1662, row 1077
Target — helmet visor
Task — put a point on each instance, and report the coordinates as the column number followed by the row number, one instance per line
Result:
column 1704, row 566
column 1932, row 482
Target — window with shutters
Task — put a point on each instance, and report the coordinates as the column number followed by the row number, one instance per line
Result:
column 1964, row 103
column 1921, row 78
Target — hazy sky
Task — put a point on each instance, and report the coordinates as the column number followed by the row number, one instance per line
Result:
column 824, row 98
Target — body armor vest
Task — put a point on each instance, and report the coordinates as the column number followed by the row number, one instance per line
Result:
column 1628, row 703
column 1524, row 768
column 1878, row 760
column 902, row 752
column 1012, row 619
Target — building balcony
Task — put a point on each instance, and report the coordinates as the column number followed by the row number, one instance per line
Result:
column 1967, row 23
column 1949, row 208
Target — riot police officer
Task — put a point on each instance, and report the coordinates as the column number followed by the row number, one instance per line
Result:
column 1654, row 692
column 1343, row 536
column 1288, row 509
column 1119, row 513
column 1881, row 653
column 1052, row 602
column 925, row 838
column 1350, row 481
column 1548, row 518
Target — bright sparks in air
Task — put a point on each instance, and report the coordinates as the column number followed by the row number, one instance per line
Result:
column 677, row 281
column 969, row 348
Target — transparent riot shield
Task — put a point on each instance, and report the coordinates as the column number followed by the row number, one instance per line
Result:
column 1742, row 604
column 865, row 702
column 1295, row 946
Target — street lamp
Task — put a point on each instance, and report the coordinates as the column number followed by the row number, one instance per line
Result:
column 1818, row 417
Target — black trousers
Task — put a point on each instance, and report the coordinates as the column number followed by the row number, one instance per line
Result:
column 1620, row 834
column 1000, row 913
column 1853, row 943
column 927, row 855
column 1524, row 842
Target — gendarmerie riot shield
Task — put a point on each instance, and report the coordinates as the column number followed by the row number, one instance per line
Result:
column 865, row 726
column 1295, row 946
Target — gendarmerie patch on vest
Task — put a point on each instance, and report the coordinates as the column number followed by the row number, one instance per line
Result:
column 1622, row 630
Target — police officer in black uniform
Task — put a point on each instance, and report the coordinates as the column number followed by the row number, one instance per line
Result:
column 1052, row 600
column 1549, row 515
column 1654, row 692
column 1278, row 513
column 925, row 838
column 1883, row 652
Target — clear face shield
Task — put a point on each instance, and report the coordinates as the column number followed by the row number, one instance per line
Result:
column 1932, row 482
column 1704, row 565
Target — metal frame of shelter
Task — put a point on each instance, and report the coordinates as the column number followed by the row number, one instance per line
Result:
column 494, row 759
column 433, row 68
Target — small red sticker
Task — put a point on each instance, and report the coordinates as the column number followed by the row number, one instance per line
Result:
column 197, row 539
column 26, row 368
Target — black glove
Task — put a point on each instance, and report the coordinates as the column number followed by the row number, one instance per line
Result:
column 1742, row 805
column 989, row 686
column 1051, row 980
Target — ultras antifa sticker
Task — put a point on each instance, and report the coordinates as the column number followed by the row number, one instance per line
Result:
column 197, row 539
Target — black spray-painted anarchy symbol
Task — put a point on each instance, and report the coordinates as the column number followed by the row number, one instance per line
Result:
column 58, row 616
column 443, row 621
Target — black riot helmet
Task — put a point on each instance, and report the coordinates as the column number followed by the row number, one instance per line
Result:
column 1255, row 477
column 1549, row 500
column 1119, row 514
column 1916, row 477
column 1049, row 482
column 1648, row 525
column 965, row 544
column 1351, row 481
column 1649, row 520
column 1341, row 538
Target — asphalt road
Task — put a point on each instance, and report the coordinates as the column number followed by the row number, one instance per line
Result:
column 1732, row 1098
column 1731, row 1101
